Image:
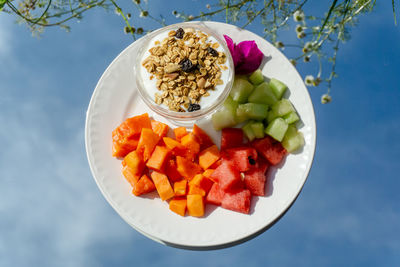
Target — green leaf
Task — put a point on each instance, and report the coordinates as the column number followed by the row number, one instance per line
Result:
column 327, row 17
column 2, row 3
column 394, row 13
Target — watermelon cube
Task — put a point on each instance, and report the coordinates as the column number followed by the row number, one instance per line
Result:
column 215, row 195
column 226, row 175
column 255, row 179
column 238, row 200
column 270, row 149
column 241, row 157
column 231, row 137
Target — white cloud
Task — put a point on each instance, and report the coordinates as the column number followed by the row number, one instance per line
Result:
column 50, row 203
column 5, row 36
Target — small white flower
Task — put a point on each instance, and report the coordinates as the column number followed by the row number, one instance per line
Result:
column 308, row 45
column 309, row 80
column 306, row 58
column 279, row 44
column 298, row 16
column 144, row 13
column 299, row 28
column 326, row 99
column 294, row 62
column 190, row 17
column 317, row 81
column 208, row 6
column 301, row 35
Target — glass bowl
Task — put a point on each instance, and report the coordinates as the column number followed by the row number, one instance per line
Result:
column 147, row 86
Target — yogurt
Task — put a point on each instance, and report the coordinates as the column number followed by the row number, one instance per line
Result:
column 151, row 82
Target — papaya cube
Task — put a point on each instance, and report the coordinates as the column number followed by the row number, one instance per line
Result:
column 122, row 145
column 147, row 142
column 202, row 182
column 162, row 184
column 195, row 205
column 143, row 186
column 159, row 128
column 202, row 136
column 191, row 143
column 180, row 132
column 158, row 158
column 135, row 161
column 180, row 187
column 187, row 168
column 207, row 173
column 173, row 145
column 196, row 190
column 133, row 126
column 178, row 205
column 208, row 157
column 130, row 176
column 171, row 170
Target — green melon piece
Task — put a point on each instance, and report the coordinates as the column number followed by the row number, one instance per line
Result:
column 291, row 117
column 231, row 105
column 252, row 111
column 293, row 139
column 258, row 129
column 277, row 129
column 271, row 116
column 256, row 77
column 226, row 115
column 282, row 107
column 241, row 90
column 248, row 131
column 277, row 87
column 223, row 118
column 263, row 94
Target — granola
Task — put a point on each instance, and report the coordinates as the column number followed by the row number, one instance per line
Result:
column 186, row 66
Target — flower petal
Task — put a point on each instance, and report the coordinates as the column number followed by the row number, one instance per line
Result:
column 246, row 55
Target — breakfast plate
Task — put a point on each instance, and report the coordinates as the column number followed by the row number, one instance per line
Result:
column 116, row 98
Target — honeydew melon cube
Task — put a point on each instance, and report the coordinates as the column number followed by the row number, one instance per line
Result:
column 248, row 131
column 282, row 107
column 252, row 111
column 231, row 105
column 256, row 77
column 277, row 129
column 293, row 139
column 226, row 115
column 271, row 116
column 241, row 90
column 258, row 129
column 223, row 118
column 291, row 117
column 263, row 94
column 277, row 87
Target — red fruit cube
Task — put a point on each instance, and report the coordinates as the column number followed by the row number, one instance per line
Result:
column 238, row 200
column 241, row 157
column 270, row 149
column 226, row 175
column 215, row 195
column 255, row 179
column 231, row 137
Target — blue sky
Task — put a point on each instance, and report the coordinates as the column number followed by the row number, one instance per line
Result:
column 52, row 213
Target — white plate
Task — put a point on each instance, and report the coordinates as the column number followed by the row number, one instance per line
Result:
column 115, row 99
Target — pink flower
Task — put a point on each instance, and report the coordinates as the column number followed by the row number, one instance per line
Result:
column 246, row 55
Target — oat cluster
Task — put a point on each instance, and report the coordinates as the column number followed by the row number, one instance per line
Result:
column 186, row 65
